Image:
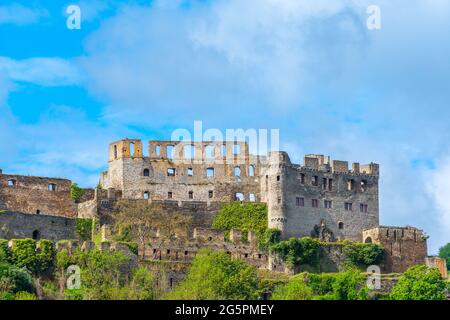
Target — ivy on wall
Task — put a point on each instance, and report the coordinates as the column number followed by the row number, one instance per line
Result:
column 363, row 254
column 76, row 192
column 296, row 251
column 84, row 228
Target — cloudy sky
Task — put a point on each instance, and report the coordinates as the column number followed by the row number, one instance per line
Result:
column 309, row 68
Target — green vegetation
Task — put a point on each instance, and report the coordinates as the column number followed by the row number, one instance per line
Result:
column 84, row 228
column 420, row 283
column 297, row 251
column 363, row 254
column 444, row 253
column 269, row 238
column 242, row 216
column 214, row 275
column 76, row 192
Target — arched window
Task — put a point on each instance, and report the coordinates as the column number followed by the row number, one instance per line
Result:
column 239, row 196
column 171, row 172
column 52, row 187
column 115, row 151
column 251, row 171
column 341, row 225
column 251, row 197
column 158, row 150
column 38, row 211
column 210, row 172
column 36, row 235
column 132, row 149
column 11, row 183
column 368, row 240
column 237, row 171
column 146, row 195
column 146, row 173
column 170, row 151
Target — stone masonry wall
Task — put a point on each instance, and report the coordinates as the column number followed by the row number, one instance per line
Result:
column 36, row 195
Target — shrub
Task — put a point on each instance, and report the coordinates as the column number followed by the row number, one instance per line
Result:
column 420, row 283
column 24, row 254
column 269, row 238
column 363, row 254
column 350, row 285
column 5, row 255
column 296, row 289
column 321, row 284
column 444, row 253
column 45, row 256
column 84, row 228
column 76, row 192
column 14, row 279
column 24, row 295
column 215, row 276
column 297, row 251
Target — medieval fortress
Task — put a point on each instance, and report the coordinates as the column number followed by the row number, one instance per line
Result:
column 322, row 198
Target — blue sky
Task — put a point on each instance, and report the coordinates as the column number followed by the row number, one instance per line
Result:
column 309, row 68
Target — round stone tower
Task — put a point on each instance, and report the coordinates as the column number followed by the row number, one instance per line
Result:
column 276, row 192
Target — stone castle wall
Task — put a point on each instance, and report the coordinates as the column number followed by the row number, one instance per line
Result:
column 36, row 195
column 14, row 225
column 404, row 247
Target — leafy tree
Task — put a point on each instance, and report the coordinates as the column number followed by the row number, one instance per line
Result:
column 84, row 228
column 242, row 216
column 269, row 238
column 296, row 289
column 215, row 276
column 363, row 254
column 297, row 251
column 140, row 218
column 14, row 279
column 24, row 254
column 350, row 285
column 76, row 192
column 321, row 284
column 444, row 253
column 420, row 283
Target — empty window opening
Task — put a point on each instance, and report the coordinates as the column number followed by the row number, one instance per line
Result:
column 328, row 204
column 350, row 184
column 302, row 178
column 210, row 172
column 146, row 195
column 52, row 187
column 348, row 206
column 236, row 149
column 251, row 197
column 368, row 240
column 171, row 172
column 209, row 152
column 324, row 183
column 189, row 151
column 251, row 171
column 191, row 195
column 315, row 180
column 115, row 152
column 237, row 171
column 315, row 203
column 36, row 235
column 278, row 178
column 168, row 251
column 132, row 149
column 185, row 253
column 363, row 208
column 169, row 195
column 341, row 225
column 38, row 211
column 210, row 194
column 158, row 150
column 395, row 234
column 11, row 183
column 170, row 152
column 223, row 150
column 300, row 202
column 146, row 173
column 363, row 185
column 239, row 196
column 190, row 172
column 330, row 184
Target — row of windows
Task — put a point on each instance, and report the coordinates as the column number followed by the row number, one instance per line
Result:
column 13, row 183
column 210, row 172
column 238, row 196
column 328, row 204
column 327, row 184
column 189, row 151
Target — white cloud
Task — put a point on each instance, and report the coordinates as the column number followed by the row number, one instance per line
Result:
column 21, row 15
column 41, row 71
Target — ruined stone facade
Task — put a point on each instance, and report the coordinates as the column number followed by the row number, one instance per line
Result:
column 301, row 199
column 404, row 247
column 36, row 195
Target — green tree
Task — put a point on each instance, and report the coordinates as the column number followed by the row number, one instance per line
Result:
column 420, row 283
column 363, row 254
column 296, row 289
column 215, row 276
column 297, row 251
column 76, row 192
column 350, row 285
column 444, row 253
column 14, row 279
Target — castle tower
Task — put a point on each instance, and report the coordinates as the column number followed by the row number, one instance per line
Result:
column 127, row 148
column 274, row 181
